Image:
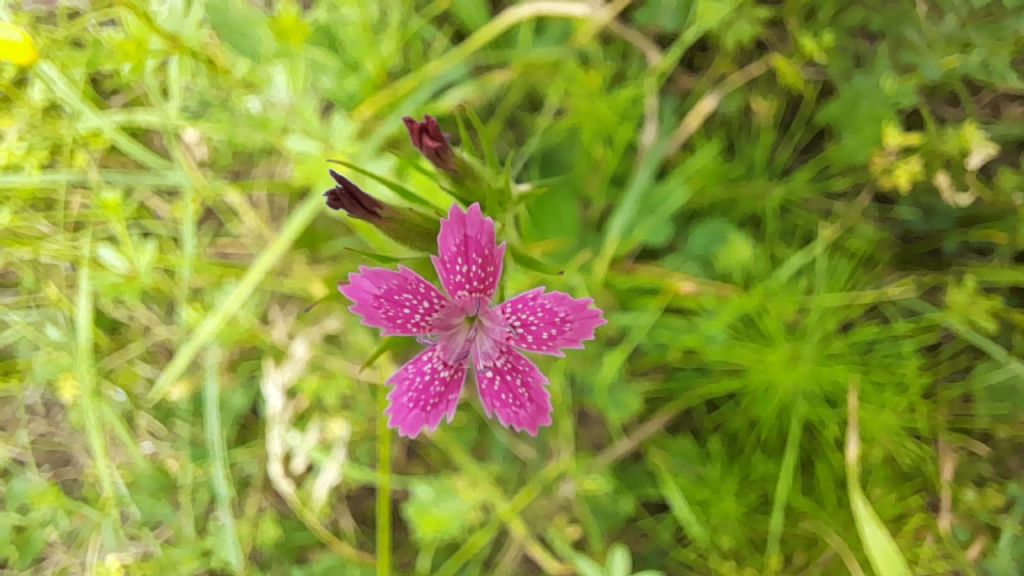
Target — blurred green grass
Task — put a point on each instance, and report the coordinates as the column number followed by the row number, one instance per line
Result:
column 787, row 210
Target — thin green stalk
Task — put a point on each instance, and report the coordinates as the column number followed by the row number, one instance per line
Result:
column 677, row 503
column 470, row 548
column 86, row 373
column 187, row 234
column 784, row 485
column 59, row 179
column 297, row 222
column 626, row 209
column 220, row 473
column 384, row 486
column 879, row 546
column 188, row 248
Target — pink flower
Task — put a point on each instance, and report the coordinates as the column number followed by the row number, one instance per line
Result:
column 464, row 328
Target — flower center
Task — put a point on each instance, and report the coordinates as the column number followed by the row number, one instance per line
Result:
column 470, row 327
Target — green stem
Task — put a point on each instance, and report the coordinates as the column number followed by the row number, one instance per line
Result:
column 784, row 486
column 383, row 486
column 220, row 474
column 86, row 373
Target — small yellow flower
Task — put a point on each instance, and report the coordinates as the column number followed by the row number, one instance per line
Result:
column 906, row 172
column 16, row 46
column 895, row 138
column 68, row 389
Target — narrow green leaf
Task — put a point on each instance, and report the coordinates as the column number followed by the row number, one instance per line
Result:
column 385, row 259
column 784, row 484
column 879, row 546
column 220, row 470
column 533, row 263
column 677, row 503
column 466, row 142
column 488, row 145
column 401, row 191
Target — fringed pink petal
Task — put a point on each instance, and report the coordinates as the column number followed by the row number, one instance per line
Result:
column 399, row 303
column 468, row 262
column 426, row 389
column 548, row 323
column 512, row 389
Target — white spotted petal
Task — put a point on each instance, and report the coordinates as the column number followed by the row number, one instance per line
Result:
column 468, row 261
column 549, row 322
column 425, row 390
column 398, row 303
column 512, row 389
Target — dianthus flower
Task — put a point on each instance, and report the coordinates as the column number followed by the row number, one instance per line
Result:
column 464, row 328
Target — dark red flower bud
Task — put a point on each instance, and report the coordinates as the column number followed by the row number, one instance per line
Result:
column 428, row 138
column 350, row 198
column 404, row 225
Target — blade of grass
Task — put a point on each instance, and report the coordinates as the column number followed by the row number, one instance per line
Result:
column 626, row 210
column 220, row 473
column 836, row 544
column 187, row 234
column 787, row 471
column 403, row 192
column 85, row 369
column 425, row 559
column 879, row 546
column 383, row 510
column 677, row 503
column 56, row 179
column 296, row 223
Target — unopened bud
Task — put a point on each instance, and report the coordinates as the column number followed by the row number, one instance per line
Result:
column 351, row 198
column 469, row 181
column 428, row 138
column 404, row 225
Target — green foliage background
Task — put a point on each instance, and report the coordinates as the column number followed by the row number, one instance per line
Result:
column 786, row 210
